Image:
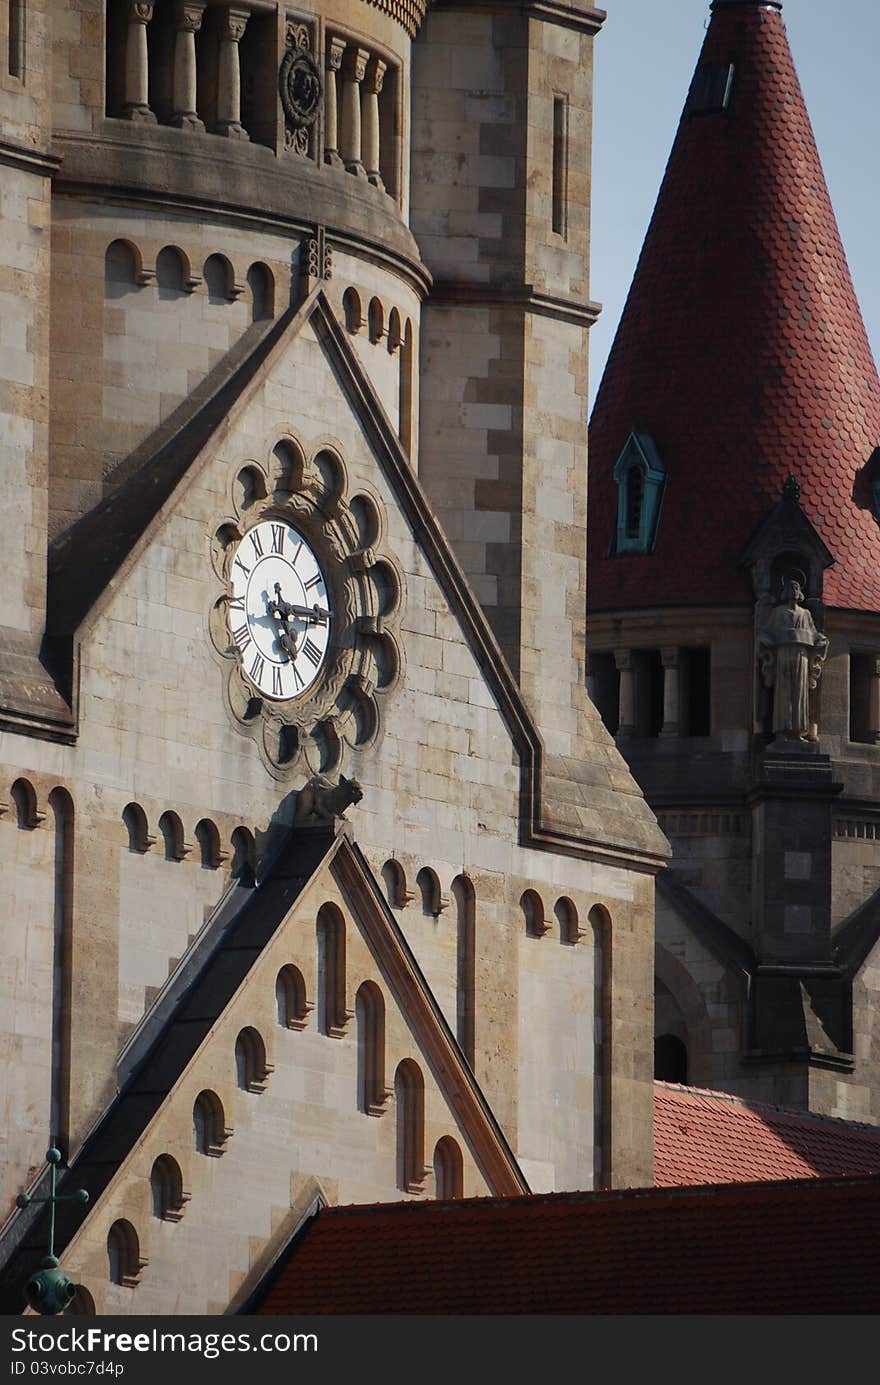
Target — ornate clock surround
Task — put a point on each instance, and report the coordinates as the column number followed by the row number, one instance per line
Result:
column 342, row 709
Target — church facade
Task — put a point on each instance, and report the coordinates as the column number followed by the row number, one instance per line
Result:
column 324, row 879
column 733, row 559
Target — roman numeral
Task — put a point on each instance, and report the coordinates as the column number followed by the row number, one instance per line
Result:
column 278, row 538
column 242, row 636
column 295, row 557
column 245, row 570
column 297, row 681
column 237, row 604
column 312, row 652
column 255, row 671
column 256, row 542
column 314, row 581
column 277, row 685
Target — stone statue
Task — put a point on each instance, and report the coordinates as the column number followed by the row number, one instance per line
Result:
column 791, row 652
column 320, row 800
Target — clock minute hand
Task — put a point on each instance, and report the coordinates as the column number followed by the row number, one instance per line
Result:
column 316, row 615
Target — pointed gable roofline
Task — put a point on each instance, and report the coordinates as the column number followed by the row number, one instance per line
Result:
column 741, row 349
column 592, row 809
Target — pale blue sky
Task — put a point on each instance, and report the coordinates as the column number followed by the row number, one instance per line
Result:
column 645, row 57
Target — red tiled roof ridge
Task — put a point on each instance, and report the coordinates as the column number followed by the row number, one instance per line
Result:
column 530, row 1201
column 741, row 351
column 764, row 1107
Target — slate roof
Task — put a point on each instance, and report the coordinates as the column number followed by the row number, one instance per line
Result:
column 741, row 350
column 791, row 1247
column 710, row 1137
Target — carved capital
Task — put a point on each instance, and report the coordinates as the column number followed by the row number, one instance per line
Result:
column 335, row 49
column 297, row 36
column 375, row 76
column 669, row 656
column 140, row 11
column 355, row 64
column 874, row 666
column 188, row 15
column 233, row 24
column 624, row 660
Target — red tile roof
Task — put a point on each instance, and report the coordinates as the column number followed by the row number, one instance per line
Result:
column 741, row 350
column 710, row 1137
column 795, row 1247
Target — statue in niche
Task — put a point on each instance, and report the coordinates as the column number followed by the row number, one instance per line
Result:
column 791, row 652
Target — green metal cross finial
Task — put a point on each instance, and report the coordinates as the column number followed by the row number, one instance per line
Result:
column 49, row 1291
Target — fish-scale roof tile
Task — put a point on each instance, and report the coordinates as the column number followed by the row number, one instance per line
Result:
column 741, row 349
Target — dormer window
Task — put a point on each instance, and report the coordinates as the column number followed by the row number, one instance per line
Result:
column 640, row 474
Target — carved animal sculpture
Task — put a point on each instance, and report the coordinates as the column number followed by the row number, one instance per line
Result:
column 320, row 800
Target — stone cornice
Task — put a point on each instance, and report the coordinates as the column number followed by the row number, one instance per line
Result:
column 31, row 160
column 571, row 14
column 458, row 293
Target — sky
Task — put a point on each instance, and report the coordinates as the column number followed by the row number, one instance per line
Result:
column 645, row 56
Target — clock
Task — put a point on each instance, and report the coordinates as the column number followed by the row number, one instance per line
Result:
column 279, row 610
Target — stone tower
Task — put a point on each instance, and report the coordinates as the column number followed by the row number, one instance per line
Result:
column 732, row 448
column 322, row 879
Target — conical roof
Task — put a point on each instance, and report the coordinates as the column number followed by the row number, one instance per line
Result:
column 741, row 353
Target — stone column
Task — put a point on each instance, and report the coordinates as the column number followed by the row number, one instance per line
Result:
column 874, row 700
column 137, row 66
column 370, row 89
column 626, row 717
column 187, row 22
column 232, row 27
column 335, row 50
column 354, row 65
column 671, row 693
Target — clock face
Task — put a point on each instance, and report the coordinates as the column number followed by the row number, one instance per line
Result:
column 279, row 612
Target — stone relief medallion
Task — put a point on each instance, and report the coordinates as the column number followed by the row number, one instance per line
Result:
column 304, row 625
column 301, row 89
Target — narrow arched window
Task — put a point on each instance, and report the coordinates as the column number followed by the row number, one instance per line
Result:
column 251, row 1069
column 166, row 1189
column 635, row 491
column 244, row 856
column 409, row 1097
column 124, row 1263
column 640, row 475
column 670, row 1059
column 351, row 307
column 291, row 1004
column 463, row 894
column 448, row 1169
column 210, row 1131
column 370, row 1013
column 428, row 884
column 332, row 1014
column 533, row 913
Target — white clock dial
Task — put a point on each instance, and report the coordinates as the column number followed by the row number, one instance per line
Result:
column 279, row 611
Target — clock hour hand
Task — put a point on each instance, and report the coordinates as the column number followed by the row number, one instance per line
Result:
column 283, row 610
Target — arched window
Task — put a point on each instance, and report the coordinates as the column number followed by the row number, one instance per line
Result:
column 82, row 1305
column 567, row 918
column 244, row 856
column 600, row 928
column 406, row 427
column 166, row 1189
column 292, row 1007
column 332, row 1014
column 124, row 1263
column 640, row 476
column 122, row 264
column 208, row 838
column 251, row 1069
column 210, row 1131
column 376, row 320
column 262, row 290
column 370, row 1012
column 428, row 884
column 448, row 1169
column 395, row 334
column 135, row 820
column 533, row 912
column 409, row 1097
column 219, row 279
column 172, row 272
column 670, row 1059
column 24, row 799
column 351, row 307
column 172, row 832
column 463, row 894
column 396, row 890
